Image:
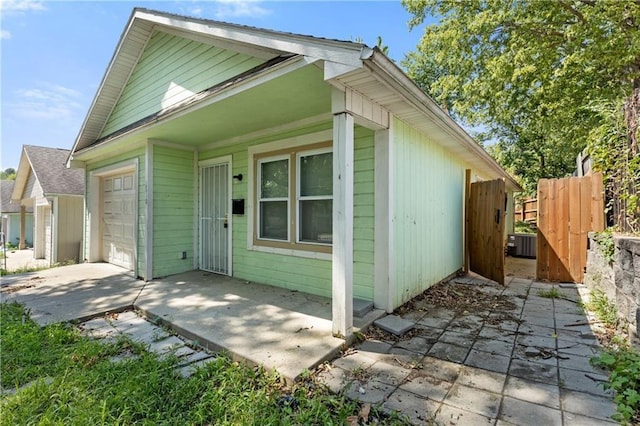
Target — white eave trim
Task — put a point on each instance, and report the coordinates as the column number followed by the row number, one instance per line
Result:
column 332, row 50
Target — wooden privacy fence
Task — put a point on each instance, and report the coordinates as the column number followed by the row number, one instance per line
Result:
column 527, row 210
column 568, row 209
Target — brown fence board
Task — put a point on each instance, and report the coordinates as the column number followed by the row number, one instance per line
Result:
column 563, row 231
column 568, row 209
column 597, row 200
column 542, row 249
column 527, row 210
column 574, row 226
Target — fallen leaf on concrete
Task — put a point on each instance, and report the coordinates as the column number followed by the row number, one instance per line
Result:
column 364, row 412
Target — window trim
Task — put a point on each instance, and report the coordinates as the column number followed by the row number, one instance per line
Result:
column 259, row 198
column 291, row 246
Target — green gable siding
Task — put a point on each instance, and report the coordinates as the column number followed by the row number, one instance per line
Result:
column 427, row 189
column 299, row 273
column 171, row 69
column 140, row 155
column 173, row 204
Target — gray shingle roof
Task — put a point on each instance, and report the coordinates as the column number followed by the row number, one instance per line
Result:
column 49, row 166
column 6, row 188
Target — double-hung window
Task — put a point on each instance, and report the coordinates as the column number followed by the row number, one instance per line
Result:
column 273, row 193
column 294, row 198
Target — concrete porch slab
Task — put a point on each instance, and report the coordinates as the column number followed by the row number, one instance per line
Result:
column 285, row 330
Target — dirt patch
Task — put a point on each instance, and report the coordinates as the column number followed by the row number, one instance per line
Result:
column 520, row 267
column 16, row 288
column 460, row 298
column 463, row 299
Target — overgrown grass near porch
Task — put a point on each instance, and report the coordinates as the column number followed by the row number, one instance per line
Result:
column 55, row 375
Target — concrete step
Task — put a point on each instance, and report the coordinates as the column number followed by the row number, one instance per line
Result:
column 361, row 307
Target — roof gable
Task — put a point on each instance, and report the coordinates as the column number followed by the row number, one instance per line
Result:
column 347, row 65
column 170, row 70
column 48, row 165
column 105, row 115
column 6, row 206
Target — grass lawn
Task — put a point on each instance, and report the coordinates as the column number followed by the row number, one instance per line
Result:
column 73, row 382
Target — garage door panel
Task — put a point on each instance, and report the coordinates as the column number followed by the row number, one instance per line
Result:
column 127, row 183
column 118, row 220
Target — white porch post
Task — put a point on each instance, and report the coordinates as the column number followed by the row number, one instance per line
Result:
column 342, row 258
column 23, row 228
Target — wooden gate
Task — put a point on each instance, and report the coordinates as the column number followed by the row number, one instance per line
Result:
column 485, row 229
column 568, row 209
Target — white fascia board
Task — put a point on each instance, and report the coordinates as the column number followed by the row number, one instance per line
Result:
column 22, row 176
column 335, row 51
column 101, row 87
column 75, row 164
column 55, row 194
column 395, row 78
column 107, row 148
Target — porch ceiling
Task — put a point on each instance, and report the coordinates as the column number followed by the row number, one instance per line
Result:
column 299, row 94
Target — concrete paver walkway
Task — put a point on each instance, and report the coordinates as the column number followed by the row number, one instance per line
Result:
column 521, row 363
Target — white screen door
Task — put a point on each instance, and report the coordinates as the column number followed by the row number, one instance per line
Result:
column 214, row 218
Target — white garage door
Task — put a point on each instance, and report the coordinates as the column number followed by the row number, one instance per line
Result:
column 118, row 217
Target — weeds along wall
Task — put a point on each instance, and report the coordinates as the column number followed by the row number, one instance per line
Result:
column 617, row 273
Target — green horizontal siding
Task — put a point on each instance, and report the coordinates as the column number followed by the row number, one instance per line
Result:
column 140, row 155
column 173, row 204
column 291, row 272
column 363, row 214
column 427, row 189
column 171, row 69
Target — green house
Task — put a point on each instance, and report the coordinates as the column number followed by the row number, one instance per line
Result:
column 300, row 162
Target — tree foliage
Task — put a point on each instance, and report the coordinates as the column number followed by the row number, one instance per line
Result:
column 530, row 73
column 8, row 174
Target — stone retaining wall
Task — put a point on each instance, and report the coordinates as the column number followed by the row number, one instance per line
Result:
column 620, row 280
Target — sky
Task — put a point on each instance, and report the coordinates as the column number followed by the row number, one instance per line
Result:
column 55, row 53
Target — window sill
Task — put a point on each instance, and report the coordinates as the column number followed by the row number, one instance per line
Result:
column 290, row 252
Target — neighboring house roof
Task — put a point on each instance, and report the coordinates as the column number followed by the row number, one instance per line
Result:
column 346, row 64
column 6, row 206
column 49, row 167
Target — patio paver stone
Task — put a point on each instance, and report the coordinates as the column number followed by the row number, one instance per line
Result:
column 394, row 324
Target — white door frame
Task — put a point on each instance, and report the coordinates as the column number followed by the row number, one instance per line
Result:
column 94, row 205
column 227, row 159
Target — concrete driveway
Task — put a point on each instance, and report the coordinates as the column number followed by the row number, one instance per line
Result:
column 21, row 259
column 74, row 292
